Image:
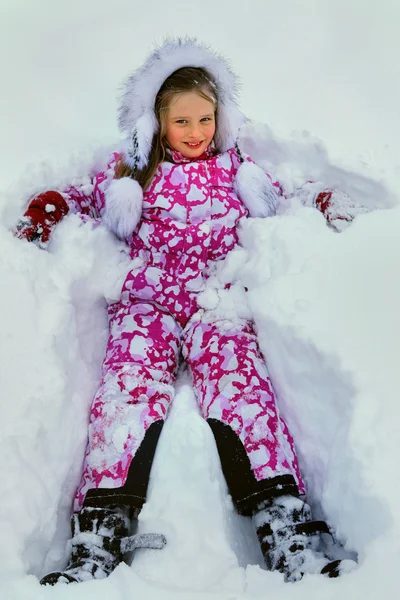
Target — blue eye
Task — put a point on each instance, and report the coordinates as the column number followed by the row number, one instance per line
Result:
column 180, row 121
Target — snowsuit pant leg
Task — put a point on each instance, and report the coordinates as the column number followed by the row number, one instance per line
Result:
column 130, row 405
column 236, row 397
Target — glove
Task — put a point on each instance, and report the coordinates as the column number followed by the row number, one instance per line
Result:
column 338, row 208
column 42, row 215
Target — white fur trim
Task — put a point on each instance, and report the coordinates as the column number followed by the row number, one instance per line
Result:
column 255, row 189
column 123, row 209
column 145, row 127
column 140, row 90
column 230, row 120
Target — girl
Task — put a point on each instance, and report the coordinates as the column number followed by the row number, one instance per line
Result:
column 176, row 195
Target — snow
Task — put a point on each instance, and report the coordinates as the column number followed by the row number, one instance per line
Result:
column 325, row 304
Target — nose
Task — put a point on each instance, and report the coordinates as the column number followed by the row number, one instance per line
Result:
column 194, row 131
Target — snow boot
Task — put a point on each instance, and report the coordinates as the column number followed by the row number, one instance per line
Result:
column 100, row 539
column 290, row 540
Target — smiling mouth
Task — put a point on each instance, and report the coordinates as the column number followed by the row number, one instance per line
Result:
column 194, row 145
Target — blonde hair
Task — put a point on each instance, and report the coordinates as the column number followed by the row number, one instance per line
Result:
column 186, row 79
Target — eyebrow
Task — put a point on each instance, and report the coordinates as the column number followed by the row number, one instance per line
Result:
column 183, row 117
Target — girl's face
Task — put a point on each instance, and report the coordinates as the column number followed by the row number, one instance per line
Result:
column 190, row 124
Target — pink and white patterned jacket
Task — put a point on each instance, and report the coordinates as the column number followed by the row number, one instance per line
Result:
column 189, row 219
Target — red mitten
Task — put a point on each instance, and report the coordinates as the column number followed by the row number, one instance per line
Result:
column 338, row 208
column 42, row 215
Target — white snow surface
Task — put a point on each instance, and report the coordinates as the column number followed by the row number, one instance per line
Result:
column 326, row 305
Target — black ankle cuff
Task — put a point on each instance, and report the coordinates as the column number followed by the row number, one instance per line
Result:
column 133, row 492
column 281, row 485
column 247, row 493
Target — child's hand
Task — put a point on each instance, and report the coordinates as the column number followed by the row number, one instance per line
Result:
column 42, row 215
column 338, row 208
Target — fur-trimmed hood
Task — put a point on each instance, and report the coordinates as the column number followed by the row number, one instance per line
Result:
column 137, row 120
column 138, row 123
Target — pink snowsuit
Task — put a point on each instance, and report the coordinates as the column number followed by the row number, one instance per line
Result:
column 189, row 220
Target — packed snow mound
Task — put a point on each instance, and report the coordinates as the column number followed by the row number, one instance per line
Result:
column 326, row 310
column 304, row 158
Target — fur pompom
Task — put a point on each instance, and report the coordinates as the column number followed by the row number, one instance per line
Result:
column 255, row 190
column 123, row 209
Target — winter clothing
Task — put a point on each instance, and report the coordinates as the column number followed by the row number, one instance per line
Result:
column 138, row 124
column 190, row 214
column 290, row 540
column 179, row 226
column 100, row 539
column 231, row 383
column 42, row 215
column 96, row 545
column 338, row 209
column 137, row 119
